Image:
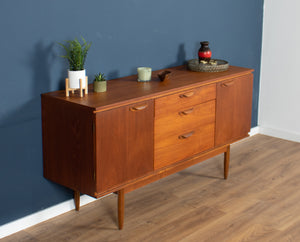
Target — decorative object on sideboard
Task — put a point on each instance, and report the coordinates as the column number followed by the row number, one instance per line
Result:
column 204, row 53
column 144, row 74
column 100, row 83
column 204, row 63
column 76, row 55
column 214, row 65
column 164, row 75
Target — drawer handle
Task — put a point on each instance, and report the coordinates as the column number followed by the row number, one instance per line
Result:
column 186, row 112
column 185, row 136
column 227, row 84
column 138, row 108
column 186, row 95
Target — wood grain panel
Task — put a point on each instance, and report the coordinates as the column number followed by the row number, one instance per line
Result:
column 68, row 144
column 193, row 117
column 233, row 109
column 124, row 147
column 140, row 139
column 111, row 146
column 184, row 100
column 173, row 148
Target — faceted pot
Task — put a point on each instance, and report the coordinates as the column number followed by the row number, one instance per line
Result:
column 74, row 78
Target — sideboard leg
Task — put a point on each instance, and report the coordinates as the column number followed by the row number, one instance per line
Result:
column 226, row 161
column 121, row 205
column 77, row 200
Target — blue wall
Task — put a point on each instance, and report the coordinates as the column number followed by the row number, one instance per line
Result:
column 124, row 34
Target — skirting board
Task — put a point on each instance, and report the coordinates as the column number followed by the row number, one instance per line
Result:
column 254, row 131
column 51, row 212
column 41, row 216
column 282, row 134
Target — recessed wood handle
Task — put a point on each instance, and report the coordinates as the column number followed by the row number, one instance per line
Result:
column 187, row 135
column 186, row 95
column 186, row 112
column 227, row 84
column 138, row 108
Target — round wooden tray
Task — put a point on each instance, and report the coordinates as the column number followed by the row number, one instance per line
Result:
column 194, row 65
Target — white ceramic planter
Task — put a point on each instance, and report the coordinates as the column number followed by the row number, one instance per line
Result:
column 74, row 77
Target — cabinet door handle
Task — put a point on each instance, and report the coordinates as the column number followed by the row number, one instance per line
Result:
column 186, row 95
column 187, row 135
column 227, row 84
column 186, row 112
column 138, row 108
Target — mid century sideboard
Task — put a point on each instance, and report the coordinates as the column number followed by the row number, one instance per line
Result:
column 139, row 132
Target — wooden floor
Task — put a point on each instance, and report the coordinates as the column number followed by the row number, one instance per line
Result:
column 260, row 201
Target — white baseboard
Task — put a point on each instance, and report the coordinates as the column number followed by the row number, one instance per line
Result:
column 282, row 134
column 254, row 131
column 41, row 216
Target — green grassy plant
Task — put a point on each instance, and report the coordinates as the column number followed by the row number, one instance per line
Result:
column 76, row 53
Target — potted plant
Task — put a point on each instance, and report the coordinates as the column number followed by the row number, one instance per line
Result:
column 76, row 55
column 100, row 83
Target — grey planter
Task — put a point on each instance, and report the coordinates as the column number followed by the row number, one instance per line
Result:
column 100, row 86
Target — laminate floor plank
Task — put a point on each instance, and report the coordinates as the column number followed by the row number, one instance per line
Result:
column 258, row 202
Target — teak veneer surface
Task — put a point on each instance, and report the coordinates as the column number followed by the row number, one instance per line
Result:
column 125, row 144
column 260, row 202
column 139, row 132
column 125, row 90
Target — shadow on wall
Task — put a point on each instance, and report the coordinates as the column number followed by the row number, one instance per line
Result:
column 181, row 57
column 21, row 175
column 40, row 63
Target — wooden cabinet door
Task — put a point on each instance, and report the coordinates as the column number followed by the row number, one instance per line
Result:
column 233, row 109
column 124, row 144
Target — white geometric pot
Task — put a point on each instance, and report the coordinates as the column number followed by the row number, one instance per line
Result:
column 74, row 77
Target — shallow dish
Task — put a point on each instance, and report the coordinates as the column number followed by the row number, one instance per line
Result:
column 221, row 65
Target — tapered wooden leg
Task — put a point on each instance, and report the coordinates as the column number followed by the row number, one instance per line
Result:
column 77, row 200
column 86, row 85
column 80, row 85
column 67, row 87
column 121, row 205
column 226, row 162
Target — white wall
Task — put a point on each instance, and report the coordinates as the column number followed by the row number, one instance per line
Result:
column 279, row 99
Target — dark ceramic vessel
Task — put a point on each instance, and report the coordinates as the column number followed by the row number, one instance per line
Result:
column 204, row 52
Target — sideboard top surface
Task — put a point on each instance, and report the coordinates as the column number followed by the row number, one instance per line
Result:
column 127, row 90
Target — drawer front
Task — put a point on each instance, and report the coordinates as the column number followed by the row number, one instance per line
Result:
column 178, row 146
column 184, row 99
column 183, row 120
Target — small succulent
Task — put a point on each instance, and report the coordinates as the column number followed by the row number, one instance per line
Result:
column 100, row 77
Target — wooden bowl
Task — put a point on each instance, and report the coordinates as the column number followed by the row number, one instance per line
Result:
column 164, row 75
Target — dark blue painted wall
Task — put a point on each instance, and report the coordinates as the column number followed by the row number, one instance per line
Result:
column 125, row 34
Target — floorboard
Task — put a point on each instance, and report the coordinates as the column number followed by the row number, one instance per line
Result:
column 258, row 202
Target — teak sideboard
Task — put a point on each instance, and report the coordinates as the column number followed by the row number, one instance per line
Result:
column 139, row 132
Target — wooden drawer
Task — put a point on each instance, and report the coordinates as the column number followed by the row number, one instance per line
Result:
column 185, row 99
column 182, row 120
column 178, row 146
